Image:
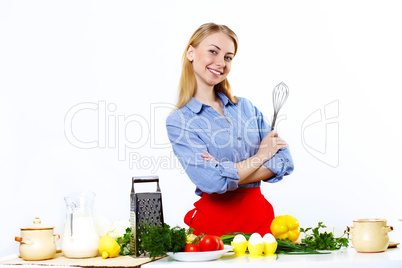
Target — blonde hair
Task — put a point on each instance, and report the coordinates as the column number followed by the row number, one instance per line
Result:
column 188, row 83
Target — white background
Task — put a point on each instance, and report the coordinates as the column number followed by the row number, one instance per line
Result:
column 122, row 58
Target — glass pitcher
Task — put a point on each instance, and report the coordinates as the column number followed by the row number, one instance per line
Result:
column 80, row 238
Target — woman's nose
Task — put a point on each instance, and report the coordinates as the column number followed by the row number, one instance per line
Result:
column 220, row 62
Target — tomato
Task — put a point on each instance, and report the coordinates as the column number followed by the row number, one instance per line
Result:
column 211, row 243
column 221, row 245
column 192, row 248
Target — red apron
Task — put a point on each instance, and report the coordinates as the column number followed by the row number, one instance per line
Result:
column 242, row 210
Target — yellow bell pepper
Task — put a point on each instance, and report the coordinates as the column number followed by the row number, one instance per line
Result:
column 285, row 226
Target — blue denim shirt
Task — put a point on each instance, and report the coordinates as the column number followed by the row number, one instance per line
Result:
column 196, row 127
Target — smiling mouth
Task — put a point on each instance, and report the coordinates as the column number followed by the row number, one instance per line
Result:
column 215, row 72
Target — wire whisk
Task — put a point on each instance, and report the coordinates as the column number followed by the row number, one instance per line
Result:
column 279, row 96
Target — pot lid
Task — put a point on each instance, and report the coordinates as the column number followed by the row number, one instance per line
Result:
column 369, row 220
column 37, row 225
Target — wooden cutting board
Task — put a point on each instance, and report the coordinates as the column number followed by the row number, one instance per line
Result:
column 60, row 260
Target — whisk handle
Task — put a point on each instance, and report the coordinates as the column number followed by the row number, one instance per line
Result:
column 273, row 122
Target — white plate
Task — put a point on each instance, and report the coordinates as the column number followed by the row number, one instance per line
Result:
column 199, row 256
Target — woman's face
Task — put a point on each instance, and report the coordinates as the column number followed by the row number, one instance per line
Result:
column 212, row 59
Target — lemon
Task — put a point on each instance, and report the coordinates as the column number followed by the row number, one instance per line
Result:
column 108, row 247
column 190, row 238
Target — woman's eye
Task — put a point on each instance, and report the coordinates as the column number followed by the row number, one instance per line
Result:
column 228, row 58
column 212, row 51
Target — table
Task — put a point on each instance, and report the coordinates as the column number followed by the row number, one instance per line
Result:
column 344, row 258
column 392, row 258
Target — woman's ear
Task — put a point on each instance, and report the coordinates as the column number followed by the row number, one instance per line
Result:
column 190, row 53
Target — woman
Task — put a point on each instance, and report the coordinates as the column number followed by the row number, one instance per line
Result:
column 223, row 142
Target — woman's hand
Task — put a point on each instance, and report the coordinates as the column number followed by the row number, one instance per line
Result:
column 270, row 145
column 208, row 157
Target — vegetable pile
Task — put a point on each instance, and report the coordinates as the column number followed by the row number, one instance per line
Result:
column 157, row 241
column 203, row 242
column 286, row 227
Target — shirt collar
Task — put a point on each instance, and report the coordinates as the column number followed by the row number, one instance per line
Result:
column 196, row 106
column 224, row 98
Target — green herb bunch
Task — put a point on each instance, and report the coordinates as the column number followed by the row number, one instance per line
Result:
column 324, row 241
column 124, row 242
column 158, row 240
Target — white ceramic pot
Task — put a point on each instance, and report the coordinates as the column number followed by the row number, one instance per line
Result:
column 370, row 235
column 37, row 242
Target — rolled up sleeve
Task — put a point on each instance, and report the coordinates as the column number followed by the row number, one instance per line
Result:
column 208, row 176
column 281, row 164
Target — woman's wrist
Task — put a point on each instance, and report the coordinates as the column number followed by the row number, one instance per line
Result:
column 262, row 158
column 260, row 174
column 257, row 160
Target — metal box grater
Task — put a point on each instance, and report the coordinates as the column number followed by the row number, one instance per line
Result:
column 144, row 208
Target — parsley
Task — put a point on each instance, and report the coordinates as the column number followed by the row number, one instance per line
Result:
column 323, row 241
column 124, row 242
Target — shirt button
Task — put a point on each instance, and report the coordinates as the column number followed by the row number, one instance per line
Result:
column 239, row 138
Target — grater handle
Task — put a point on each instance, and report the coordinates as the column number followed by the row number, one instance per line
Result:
column 146, row 179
